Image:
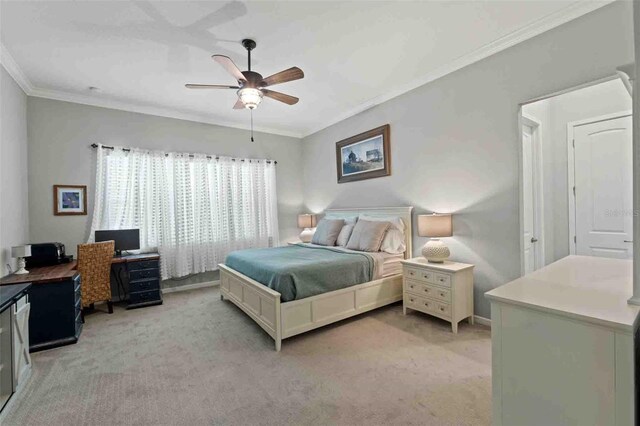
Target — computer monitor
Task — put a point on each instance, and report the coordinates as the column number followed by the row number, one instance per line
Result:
column 126, row 239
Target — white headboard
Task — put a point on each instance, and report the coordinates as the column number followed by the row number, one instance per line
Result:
column 403, row 212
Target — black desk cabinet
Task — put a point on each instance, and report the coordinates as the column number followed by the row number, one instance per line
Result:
column 56, row 318
column 144, row 283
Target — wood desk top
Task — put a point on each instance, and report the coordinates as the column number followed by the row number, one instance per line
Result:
column 43, row 274
column 47, row 274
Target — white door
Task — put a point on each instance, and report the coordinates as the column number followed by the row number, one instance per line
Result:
column 529, row 179
column 603, row 188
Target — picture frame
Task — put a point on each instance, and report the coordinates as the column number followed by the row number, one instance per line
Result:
column 69, row 200
column 364, row 156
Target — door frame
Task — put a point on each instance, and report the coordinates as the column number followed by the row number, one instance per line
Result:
column 538, row 189
column 571, row 172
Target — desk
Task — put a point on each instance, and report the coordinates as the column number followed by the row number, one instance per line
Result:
column 55, row 318
column 142, row 278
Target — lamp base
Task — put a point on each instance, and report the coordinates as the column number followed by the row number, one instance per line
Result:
column 307, row 235
column 435, row 251
column 21, row 265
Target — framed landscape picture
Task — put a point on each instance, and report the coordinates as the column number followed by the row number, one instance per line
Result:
column 69, row 200
column 364, row 156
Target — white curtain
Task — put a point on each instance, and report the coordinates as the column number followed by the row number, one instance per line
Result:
column 192, row 208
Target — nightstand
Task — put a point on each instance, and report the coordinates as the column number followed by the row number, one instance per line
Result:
column 444, row 290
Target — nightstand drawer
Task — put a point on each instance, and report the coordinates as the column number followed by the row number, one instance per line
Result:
column 427, row 290
column 427, row 306
column 443, row 280
column 420, row 303
column 420, row 275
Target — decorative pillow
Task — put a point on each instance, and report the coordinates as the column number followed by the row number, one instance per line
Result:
column 343, row 236
column 327, row 232
column 393, row 241
column 367, row 235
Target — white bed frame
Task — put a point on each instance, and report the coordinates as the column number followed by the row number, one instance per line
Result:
column 283, row 320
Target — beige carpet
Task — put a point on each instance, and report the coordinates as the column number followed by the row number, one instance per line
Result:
column 198, row 360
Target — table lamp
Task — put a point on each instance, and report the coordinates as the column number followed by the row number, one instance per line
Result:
column 21, row 252
column 308, row 222
column 435, row 226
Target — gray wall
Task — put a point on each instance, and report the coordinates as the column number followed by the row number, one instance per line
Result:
column 454, row 142
column 555, row 114
column 14, row 216
column 60, row 134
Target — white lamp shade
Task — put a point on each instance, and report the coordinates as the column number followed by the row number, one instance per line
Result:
column 21, row 251
column 306, row 221
column 434, row 225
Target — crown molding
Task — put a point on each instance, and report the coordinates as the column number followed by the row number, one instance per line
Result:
column 14, row 70
column 6, row 59
column 535, row 28
column 149, row 110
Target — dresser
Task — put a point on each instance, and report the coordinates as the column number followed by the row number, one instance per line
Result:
column 563, row 348
column 443, row 290
column 55, row 318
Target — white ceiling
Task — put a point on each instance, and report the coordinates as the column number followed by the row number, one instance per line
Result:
column 355, row 54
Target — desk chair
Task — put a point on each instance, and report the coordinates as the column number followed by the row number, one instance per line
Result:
column 94, row 265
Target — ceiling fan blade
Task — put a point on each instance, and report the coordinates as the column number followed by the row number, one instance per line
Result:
column 291, row 74
column 231, row 68
column 209, row 86
column 238, row 105
column 287, row 99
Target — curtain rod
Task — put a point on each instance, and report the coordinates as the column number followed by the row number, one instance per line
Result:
column 95, row 145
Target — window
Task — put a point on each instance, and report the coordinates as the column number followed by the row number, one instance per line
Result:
column 192, row 208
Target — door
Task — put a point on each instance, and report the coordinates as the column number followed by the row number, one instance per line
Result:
column 531, row 197
column 603, row 188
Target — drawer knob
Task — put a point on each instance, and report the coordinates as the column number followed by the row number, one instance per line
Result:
column 411, row 273
column 441, row 308
column 411, row 299
column 442, row 294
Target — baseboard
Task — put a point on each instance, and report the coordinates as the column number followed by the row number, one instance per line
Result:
column 482, row 320
column 191, row 286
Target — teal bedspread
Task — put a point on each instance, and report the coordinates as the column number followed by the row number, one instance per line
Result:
column 300, row 271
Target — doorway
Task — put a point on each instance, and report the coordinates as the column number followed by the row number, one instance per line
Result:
column 576, row 175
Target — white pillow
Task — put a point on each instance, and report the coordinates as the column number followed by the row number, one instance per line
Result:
column 343, row 236
column 395, row 221
column 393, row 242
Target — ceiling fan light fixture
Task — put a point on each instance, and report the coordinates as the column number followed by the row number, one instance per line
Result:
column 250, row 97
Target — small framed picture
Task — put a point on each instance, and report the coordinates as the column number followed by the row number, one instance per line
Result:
column 69, row 200
column 364, row 156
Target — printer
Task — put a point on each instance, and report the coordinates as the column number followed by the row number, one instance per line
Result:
column 47, row 254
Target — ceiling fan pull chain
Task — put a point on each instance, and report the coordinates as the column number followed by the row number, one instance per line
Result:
column 251, row 124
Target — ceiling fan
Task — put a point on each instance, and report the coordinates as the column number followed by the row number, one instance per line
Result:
column 251, row 86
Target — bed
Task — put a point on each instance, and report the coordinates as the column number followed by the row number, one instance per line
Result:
column 301, row 312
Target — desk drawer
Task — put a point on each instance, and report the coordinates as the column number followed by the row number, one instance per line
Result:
column 146, row 264
column 136, row 286
column 143, row 274
column 144, row 296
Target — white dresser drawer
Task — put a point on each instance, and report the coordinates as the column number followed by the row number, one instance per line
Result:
column 420, row 303
column 428, row 306
column 427, row 290
column 420, row 275
column 443, row 280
